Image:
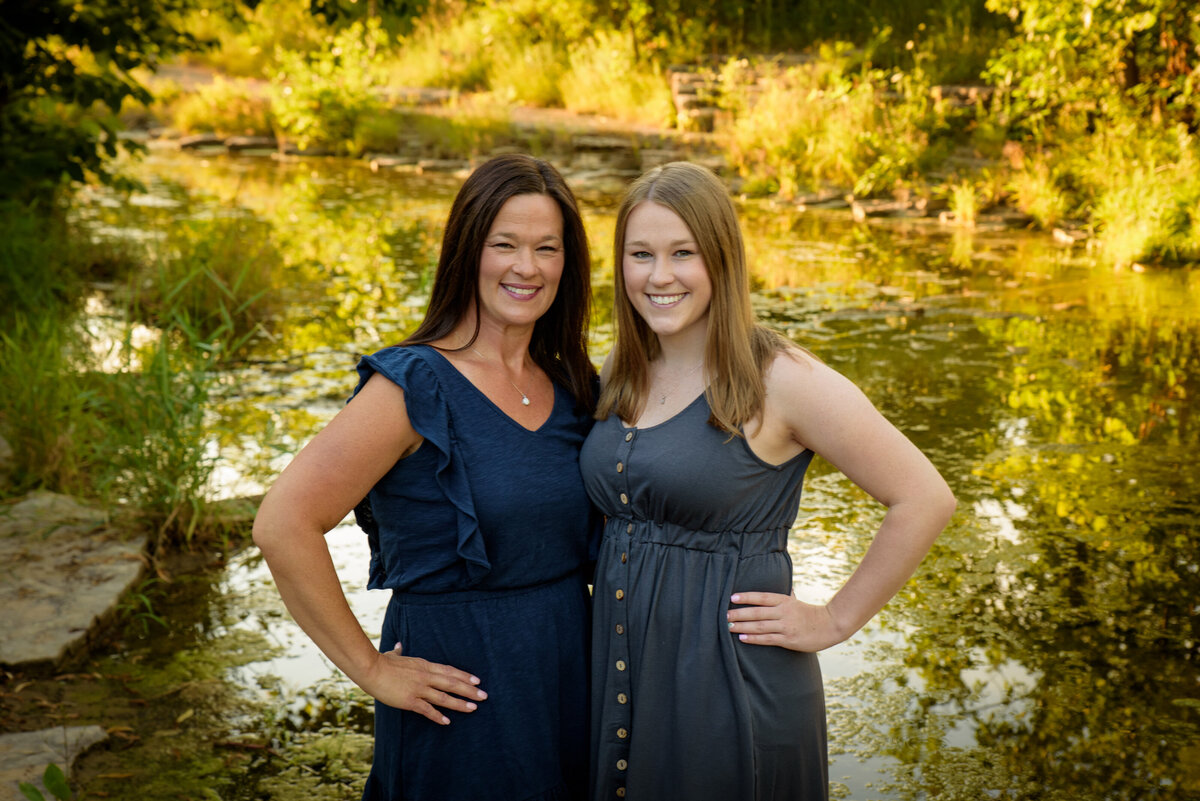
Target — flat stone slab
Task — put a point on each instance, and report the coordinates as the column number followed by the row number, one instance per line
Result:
column 25, row 756
column 62, row 569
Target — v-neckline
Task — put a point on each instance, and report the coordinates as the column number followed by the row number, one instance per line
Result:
column 480, row 393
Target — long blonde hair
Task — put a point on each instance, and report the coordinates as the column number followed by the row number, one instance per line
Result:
column 738, row 349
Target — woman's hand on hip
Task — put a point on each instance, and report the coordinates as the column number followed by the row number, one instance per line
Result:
column 770, row 618
column 420, row 686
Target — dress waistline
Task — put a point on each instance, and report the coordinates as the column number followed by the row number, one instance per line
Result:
column 470, row 596
column 729, row 542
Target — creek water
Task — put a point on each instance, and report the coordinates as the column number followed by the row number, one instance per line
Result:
column 1046, row 648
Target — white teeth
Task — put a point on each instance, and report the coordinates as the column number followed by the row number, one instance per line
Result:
column 665, row 300
column 520, row 290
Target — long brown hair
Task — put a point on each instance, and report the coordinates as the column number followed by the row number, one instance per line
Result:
column 559, row 343
column 737, row 349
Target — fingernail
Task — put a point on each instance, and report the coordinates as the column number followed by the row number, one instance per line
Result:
column 471, row 706
column 445, row 721
column 396, row 647
column 474, row 679
column 481, row 694
column 735, row 598
column 731, row 625
column 742, row 637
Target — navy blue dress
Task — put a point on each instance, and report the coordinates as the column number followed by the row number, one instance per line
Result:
column 482, row 535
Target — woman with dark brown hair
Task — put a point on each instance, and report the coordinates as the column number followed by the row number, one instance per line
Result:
column 705, row 679
column 462, row 444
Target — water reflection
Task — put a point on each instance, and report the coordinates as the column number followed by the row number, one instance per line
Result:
column 1047, row 648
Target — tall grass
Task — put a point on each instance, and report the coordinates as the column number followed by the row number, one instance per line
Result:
column 606, row 77
column 133, row 434
column 1037, row 192
column 229, row 107
column 1140, row 188
column 826, row 123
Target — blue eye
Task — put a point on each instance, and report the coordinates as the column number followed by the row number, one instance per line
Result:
column 683, row 254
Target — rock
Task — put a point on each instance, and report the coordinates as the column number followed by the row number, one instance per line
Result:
column 197, row 141
column 443, row 165
column 237, row 144
column 24, row 756
column 62, row 570
column 604, row 182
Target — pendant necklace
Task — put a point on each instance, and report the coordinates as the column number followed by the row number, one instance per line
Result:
column 662, row 399
column 524, row 397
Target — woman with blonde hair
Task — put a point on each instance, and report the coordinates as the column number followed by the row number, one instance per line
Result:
column 705, row 682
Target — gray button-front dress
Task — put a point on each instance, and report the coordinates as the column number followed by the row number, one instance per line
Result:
column 681, row 709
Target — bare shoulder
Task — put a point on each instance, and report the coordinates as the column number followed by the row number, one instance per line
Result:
column 796, row 375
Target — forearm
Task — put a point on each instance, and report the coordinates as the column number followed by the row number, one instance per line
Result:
column 904, row 538
column 308, row 584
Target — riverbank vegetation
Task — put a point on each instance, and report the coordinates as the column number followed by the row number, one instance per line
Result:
column 1080, row 117
column 107, row 391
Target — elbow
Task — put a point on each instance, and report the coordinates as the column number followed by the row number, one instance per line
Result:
column 261, row 533
column 945, row 504
column 266, row 532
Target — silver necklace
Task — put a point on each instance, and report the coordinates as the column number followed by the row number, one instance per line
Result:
column 662, row 399
column 524, row 397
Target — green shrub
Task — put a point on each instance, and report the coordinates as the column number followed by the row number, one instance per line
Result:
column 818, row 124
column 100, row 404
column 449, row 52
column 606, row 78
column 320, row 98
column 529, row 76
column 1036, row 192
column 246, row 41
column 226, row 107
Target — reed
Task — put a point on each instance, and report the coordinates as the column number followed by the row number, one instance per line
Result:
column 122, row 421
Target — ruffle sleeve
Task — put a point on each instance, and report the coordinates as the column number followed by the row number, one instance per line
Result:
column 430, row 417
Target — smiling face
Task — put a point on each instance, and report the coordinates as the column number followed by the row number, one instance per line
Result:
column 522, row 261
column 666, row 279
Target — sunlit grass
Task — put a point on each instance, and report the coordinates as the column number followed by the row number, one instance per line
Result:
column 227, row 107
column 605, row 77
column 824, row 124
column 1036, row 192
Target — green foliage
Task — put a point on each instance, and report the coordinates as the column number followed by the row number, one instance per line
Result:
column 225, row 107
column 217, row 274
column 813, row 125
column 137, row 606
column 54, row 780
column 606, row 77
column 449, row 51
column 103, row 406
column 247, row 38
column 65, row 70
column 1098, row 58
column 1036, row 192
column 321, row 98
column 964, row 203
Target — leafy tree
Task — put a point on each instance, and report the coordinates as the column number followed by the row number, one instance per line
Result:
column 65, row 70
column 1102, row 57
